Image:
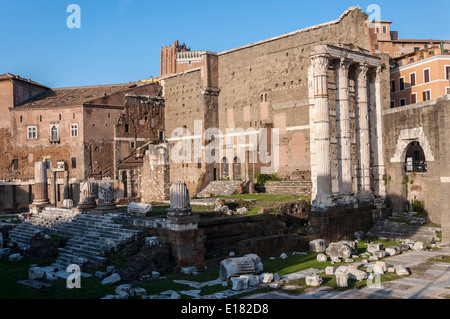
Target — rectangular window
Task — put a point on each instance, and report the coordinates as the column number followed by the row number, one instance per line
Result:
column 48, row 163
column 73, row 130
column 32, row 132
column 392, row 86
column 133, row 144
column 412, row 79
column 414, row 98
column 447, row 72
column 392, row 104
column 384, row 29
column 15, row 164
column 402, row 102
column 74, row 162
column 161, row 135
column 426, row 75
column 402, row 83
column 427, row 95
column 448, row 90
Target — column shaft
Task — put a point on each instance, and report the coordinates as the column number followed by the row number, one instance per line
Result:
column 40, row 184
column 322, row 127
column 362, row 134
column 344, row 146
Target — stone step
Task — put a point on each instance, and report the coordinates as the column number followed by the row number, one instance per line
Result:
column 71, row 251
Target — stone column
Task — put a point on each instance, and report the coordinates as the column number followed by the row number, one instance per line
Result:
column 54, row 190
column 87, row 196
column 362, row 134
column 129, row 184
column 40, row 184
column 179, row 200
column 376, row 133
column 344, row 145
column 66, row 185
column 324, row 197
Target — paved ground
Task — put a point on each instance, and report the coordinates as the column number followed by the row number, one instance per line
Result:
column 429, row 280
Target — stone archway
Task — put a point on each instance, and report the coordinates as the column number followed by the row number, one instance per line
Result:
column 405, row 138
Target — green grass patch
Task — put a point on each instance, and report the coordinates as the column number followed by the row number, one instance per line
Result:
column 17, row 221
column 441, row 259
column 268, row 198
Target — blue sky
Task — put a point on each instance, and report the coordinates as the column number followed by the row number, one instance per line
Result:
column 119, row 40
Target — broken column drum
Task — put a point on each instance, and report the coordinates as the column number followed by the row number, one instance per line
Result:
column 40, row 184
column 179, row 200
column 87, row 195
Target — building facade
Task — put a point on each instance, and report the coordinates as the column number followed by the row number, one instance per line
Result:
column 71, row 129
column 420, row 76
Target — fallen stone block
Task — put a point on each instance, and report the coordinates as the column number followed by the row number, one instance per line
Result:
column 419, row 246
column 111, row 280
column 314, row 281
column 341, row 279
column 242, row 211
column 392, row 251
column 100, row 274
column 329, row 271
column 317, row 246
column 340, row 250
column 36, row 273
column 234, row 267
column 139, row 209
column 125, row 288
column 356, row 274
column 402, row 271
column 322, row 258
column 253, row 280
column 266, row 278
column 15, row 258
column 379, row 254
column 374, row 247
column 283, row 256
column 237, row 283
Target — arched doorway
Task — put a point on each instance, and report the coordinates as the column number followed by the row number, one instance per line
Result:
column 415, row 177
column 415, row 160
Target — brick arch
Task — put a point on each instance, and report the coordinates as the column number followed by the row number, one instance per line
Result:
column 405, row 138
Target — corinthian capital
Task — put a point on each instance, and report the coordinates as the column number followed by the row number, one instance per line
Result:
column 320, row 63
column 361, row 74
column 342, row 66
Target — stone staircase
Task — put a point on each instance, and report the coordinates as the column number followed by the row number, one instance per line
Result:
column 393, row 230
column 90, row 237
column 219, row 188
column 301, row 187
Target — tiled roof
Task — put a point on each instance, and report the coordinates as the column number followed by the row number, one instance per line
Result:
column 63, row 97
column 10, row 76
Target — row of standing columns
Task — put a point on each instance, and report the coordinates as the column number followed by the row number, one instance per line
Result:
column 322, row 132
